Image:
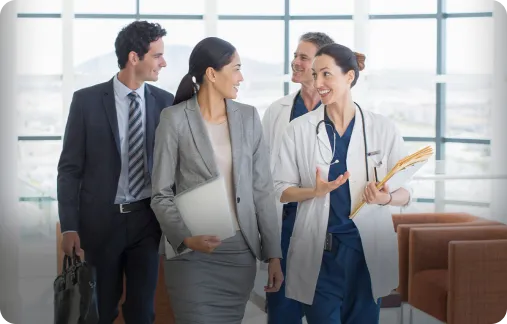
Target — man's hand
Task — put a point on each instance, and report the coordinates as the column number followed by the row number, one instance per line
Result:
column 275, row 276
column 70, row 241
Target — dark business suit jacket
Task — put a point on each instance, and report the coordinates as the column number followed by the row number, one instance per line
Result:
column 90, row 163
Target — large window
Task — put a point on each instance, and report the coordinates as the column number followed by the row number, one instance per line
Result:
column 428, row 67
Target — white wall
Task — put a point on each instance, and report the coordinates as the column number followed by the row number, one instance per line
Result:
column 9, row 239
column 499, row 114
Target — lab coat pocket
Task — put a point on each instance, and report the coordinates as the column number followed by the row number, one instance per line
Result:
column 379, row 167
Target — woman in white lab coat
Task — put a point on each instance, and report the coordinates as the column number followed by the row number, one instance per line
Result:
column 329, row 162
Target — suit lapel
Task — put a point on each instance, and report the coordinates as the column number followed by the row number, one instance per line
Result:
column 151, row 122
column 200, row 135
column 236, row 135
column 110, row 107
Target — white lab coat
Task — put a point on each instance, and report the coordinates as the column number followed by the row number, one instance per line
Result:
column 275, row 121
column 296, row 165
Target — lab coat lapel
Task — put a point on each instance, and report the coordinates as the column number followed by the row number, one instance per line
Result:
column 355, row 160
column 236, row 135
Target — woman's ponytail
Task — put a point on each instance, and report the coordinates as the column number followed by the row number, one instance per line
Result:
column 186, row 89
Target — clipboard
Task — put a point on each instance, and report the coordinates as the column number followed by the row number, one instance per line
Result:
column 401, row 173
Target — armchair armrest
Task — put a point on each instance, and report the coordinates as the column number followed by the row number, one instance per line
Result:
column 477, row 281
column 428, row 247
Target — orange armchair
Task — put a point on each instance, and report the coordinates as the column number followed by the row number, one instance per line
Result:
column 163, row 309
column 458, row 274
column 403, row 223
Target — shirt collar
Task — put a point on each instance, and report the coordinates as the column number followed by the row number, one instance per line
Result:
column 122, row 90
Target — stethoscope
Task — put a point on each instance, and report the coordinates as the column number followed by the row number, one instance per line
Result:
column 366, row 154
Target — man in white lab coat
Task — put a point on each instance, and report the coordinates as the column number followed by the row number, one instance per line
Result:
column 276, row 119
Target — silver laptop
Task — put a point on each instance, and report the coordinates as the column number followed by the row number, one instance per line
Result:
column 206, row 210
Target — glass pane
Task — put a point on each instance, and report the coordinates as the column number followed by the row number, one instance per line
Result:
column 322, row 7
column 379, row 7
column 467, row 159
column 39, row 68
column 37, row 6
column 470, row 45
column 423, row 188
column 40, row 105
column 417, row 207
column 178, row 47
column 105, row 7
column 409, row 101
column 94, row 53
column 171, row 7
column 468, row 109
column 484, row 212
column 38, row 53
column 37, row 167
column 341, row 31
column 262, row 66
column 394, row 49
column 454, row 6
column 259, row 7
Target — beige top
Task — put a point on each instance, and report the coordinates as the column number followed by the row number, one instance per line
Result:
column 221, row 143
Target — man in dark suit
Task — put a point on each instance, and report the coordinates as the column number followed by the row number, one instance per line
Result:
column 104, row 186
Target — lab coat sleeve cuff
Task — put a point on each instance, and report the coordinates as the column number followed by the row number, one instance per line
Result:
column 410, row 194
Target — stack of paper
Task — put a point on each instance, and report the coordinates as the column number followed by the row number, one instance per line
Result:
column 402, row 172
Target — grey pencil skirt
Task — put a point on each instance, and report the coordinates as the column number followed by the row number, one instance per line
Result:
column 212, row 288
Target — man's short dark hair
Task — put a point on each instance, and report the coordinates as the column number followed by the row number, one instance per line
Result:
column 137, row 37
column 316, row 38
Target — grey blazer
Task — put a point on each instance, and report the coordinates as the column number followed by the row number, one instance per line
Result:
column 183, row 158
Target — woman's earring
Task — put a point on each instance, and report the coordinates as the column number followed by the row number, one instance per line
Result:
column 194, row 80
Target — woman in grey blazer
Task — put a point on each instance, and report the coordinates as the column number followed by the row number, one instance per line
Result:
column 203, row 135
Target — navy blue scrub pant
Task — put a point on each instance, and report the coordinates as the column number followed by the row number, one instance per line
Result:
column 282, row 310
column 343, row 294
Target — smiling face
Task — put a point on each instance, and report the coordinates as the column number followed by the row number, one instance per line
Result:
column 329, row 79
column 227, row 80
column 302, row 62
column 153, row 61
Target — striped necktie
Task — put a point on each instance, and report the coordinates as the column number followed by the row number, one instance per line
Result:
column 136, row 148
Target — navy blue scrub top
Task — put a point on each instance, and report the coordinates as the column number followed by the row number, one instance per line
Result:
column 339, row 212
column 298, row 110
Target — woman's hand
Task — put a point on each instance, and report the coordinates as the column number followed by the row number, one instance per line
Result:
column 322, row 187
column 202, row 243
column 275, row 276
column 372, row 195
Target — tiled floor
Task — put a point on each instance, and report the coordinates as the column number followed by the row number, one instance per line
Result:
column 254, row 315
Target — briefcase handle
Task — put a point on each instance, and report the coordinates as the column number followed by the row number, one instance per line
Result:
column 70, row 261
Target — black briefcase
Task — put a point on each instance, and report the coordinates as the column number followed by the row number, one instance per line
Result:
column 74, row 293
